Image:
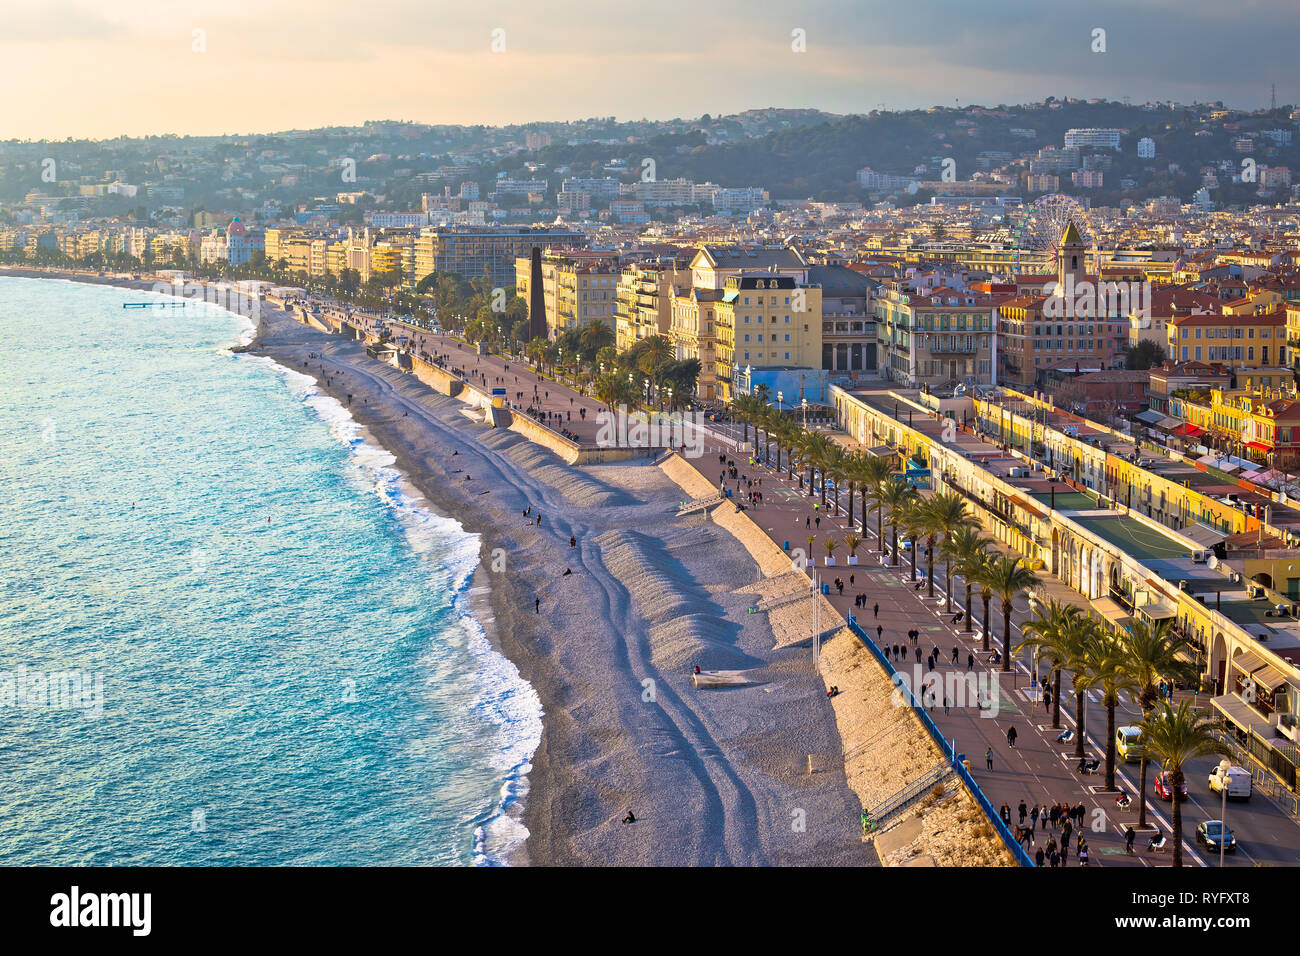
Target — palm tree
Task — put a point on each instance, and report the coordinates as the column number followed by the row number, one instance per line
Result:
column 852, row 542
column 814, row 452
column 746, row 409
column 830, row 543
column 911, row 521
column 897, row 499
column 1008, row 579
column 835, row 467
column 981, row 574
column 1175, row 737
column 868, row 473
column 1047, row 633
column 1106, row 668
column 946, row 514
column 1154, row 654
column 1076, row 639
column 966, row 550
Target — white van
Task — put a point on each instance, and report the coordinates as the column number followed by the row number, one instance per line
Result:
column 1128, row 743
column 1235, row 779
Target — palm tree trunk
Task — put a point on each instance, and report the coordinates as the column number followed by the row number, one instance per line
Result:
column 929, row 567
column 1078, row 722
column 913, row 557
column 947, row 584
column 1110, row 741
column 1056, row 695
column 1006, row 636
column 1142, row 794
column 893, row 556
column 969, row 626
column 986, row 598
column 880, row 521
column 852, row 488
column 1176, row 778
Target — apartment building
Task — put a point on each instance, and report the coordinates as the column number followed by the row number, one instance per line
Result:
column 1238, row 341
column 848, row 318
column 643, row 302
column 766, row 321
column 578, row 287
column 693, row 331
column 486, row 251
column 938, row 338
column 1059, row 326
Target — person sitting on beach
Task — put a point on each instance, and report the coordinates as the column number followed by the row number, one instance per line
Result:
column 697, row 668
column 567, row 572
column 629, row 818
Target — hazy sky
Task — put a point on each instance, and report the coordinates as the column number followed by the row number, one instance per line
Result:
column 100, row 68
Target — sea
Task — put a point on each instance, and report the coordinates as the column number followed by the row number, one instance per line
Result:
column 231, row 633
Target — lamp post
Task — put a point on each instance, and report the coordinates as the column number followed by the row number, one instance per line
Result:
column 1224, row 765
column 804, row 403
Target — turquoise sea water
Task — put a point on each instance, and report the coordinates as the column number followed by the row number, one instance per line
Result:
column 308, row 689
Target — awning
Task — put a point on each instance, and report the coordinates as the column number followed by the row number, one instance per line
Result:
column 1168, row 424
column 1247, row 662
column 1259, row 446
column 1110, row 609
column 1269, row 677
column 1157, row 611
column 1149, row 417
column 1187, row 430
column 1238, row 711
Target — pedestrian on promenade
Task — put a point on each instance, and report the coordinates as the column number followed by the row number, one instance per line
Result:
column 876, row 610
column 955, row 652
column 1039, row 856
column 1053, row 815
column 918, row 654
column 1033, row 816
column 945, row 704
column 1067, row 827
column 970, row 661
column 1005, row 813
column 1024, row 811
column 1065, row 852
column 988, row 757
column 1083, row 853
column 1129, row 836
column 1011, row 736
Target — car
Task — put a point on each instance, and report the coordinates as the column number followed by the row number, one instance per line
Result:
column 1235, row 780
column 1213, row 832
column 1165, row 790
column 1128, row 743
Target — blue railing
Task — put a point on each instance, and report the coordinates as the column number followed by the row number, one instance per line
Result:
column 994, row 818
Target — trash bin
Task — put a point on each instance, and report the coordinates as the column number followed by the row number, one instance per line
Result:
column 826, row 588
column 785, row 545
column 961, row 759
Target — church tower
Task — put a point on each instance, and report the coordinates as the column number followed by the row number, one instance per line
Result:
column 1071, row 256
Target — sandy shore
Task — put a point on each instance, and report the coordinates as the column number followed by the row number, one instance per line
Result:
column 713, row 777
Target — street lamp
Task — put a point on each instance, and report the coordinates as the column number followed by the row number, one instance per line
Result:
column 1224, row 766
column 804, row 403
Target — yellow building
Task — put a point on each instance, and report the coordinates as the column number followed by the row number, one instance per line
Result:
column 643, row 304
column 693, row 331
column 578, row 287
column 1238, row 341
column 766, row 320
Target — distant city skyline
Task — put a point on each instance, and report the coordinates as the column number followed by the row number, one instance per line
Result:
column 148, row 67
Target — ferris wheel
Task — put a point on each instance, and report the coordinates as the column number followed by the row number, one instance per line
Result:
column 1038, row 229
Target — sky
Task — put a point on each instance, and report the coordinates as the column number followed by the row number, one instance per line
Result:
column 105, row 68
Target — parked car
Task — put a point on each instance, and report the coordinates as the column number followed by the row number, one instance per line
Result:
column 1128, row 743
column 1213, row 832
column 1235, row 779
column 1165, row 789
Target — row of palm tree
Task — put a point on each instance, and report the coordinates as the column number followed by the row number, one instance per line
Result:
column 1128, row 663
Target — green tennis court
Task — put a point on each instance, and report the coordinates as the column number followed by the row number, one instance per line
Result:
column 1135, row 538
column 1068, row 500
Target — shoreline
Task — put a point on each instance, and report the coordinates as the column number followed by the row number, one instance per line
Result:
column 718, row 770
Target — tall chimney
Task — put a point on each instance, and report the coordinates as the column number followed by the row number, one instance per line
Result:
column 536, row 298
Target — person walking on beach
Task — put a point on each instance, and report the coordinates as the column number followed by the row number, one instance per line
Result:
column 573, row 541
column 537, row 605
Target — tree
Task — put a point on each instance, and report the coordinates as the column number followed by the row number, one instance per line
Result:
column 1105, row 667
column 966, row 550
column 1144, row 355
column 1047, row 632
column 1154, row 655
column 945, row 514
column 897, row 498
column 1008, row 578
column 1173, row 738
